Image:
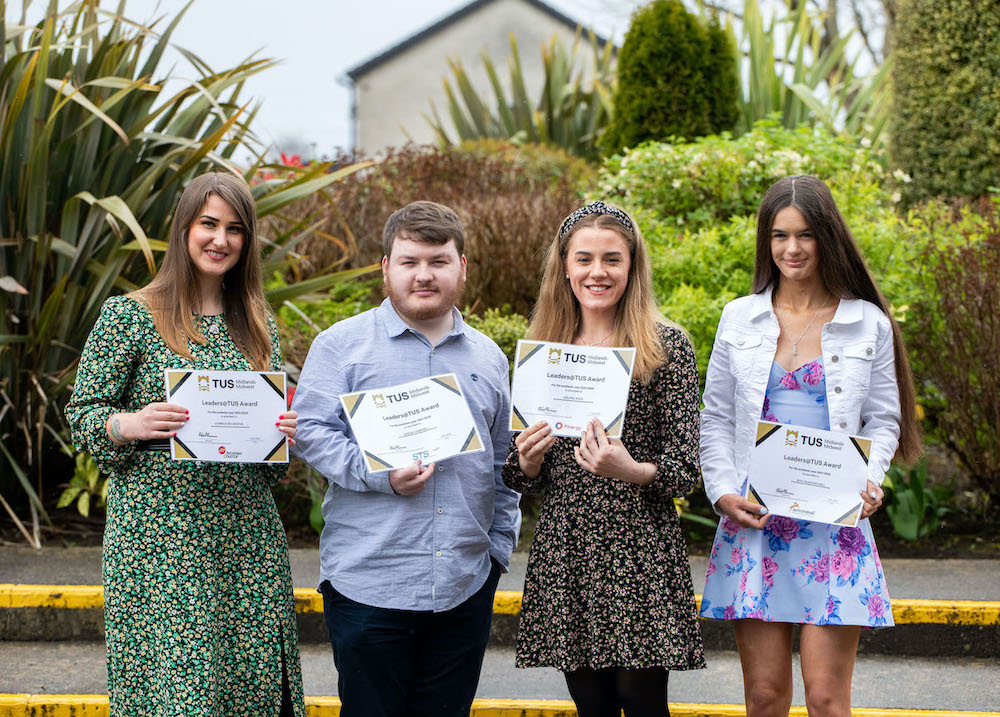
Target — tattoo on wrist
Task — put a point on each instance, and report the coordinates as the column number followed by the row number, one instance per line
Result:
column 115, row 430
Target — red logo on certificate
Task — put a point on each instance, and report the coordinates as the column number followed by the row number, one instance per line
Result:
column 222, row 450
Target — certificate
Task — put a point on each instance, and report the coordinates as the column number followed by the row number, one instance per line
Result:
column 425, row 420
column 567, row 385
column 231, row 415
column 808, row 474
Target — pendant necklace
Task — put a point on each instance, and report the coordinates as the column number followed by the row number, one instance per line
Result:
column 795, row 342
column 596, row 343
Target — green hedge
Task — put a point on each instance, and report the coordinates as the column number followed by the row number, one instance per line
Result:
column 717, row 177
column 676, row 77
column 946, row 131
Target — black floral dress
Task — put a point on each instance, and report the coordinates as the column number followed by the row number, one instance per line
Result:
column 198, row 604
column 608, row 581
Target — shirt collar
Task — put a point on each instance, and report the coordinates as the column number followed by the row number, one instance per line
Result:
column 395, row 326
column 849, row 311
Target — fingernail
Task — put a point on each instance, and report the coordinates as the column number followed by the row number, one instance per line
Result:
column 187, row 412
column 871, row 493
column 276, row 423
column 173, row 434
column 763, row 511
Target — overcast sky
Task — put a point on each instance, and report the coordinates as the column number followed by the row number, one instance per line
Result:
column 304, row 100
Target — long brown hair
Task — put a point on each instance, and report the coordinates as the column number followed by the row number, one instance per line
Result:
column 844, row 272
column 172, row 297
column 556, row 316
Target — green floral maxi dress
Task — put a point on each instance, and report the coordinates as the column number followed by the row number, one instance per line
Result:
column 197, row 585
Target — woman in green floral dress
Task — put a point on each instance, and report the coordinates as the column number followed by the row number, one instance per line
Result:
column 198, row 600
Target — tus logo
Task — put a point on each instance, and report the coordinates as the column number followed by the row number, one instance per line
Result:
column 203, row 383
column 791, row 438
column 379, row 400
column 555, row 355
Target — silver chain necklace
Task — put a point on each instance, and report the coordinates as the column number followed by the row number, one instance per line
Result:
column 795, row 342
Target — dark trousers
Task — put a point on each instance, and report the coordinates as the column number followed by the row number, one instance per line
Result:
column 392, row 663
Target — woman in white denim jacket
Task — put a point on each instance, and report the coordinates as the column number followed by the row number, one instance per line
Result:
column 813, row 297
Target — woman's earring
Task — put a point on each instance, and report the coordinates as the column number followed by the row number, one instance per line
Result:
column 567, row 277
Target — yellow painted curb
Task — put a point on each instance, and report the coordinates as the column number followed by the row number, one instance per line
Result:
column 97, row 706
column 507, row 602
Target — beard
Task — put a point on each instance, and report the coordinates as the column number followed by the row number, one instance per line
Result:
column 417, row 310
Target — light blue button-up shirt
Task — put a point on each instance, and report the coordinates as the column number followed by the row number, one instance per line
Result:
column 428, row 551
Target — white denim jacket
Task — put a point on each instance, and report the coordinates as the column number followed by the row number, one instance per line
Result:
column 862, row 395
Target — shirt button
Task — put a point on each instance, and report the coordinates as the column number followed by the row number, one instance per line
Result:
column 741, row 342
column 843, row 424
column 868, row 351
column 440, row 510
column 837, row 389
column 439, row 553
column 440, row 468
column 835, row 359
column 830, row 329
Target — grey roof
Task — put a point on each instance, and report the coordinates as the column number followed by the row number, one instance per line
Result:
column 358, row 70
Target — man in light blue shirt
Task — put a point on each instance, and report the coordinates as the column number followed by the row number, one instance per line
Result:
column 410, row 557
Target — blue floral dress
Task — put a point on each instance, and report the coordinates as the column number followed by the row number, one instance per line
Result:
column 795, row 570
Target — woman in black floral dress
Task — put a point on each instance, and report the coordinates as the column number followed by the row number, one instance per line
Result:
column 608, row 597
column 198, row 603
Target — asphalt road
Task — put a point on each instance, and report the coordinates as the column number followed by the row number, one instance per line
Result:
column 879, row 681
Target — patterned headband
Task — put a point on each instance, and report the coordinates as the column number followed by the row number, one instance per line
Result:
column 595, row 208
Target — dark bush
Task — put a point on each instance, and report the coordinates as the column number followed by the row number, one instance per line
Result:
column 960, row 351
column 511, row 200
column 946, row 132
column 676, row 77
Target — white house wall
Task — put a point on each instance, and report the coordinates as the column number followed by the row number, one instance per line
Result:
column 392, row 96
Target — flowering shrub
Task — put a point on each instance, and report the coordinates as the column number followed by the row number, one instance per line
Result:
column 718, row 176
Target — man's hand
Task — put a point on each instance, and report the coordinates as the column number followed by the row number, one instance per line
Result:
column 747, row 514
column 410, row 480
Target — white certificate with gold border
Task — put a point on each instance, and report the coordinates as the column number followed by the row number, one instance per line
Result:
column 568, row 385
column 426, row 420
column 808, row 474
column 232, row 415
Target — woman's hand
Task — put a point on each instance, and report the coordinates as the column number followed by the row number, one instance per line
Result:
column 287, row 423
column 609, row 457
column 532, row 443
column 747, row 514
column 872, row 497
column 156, row 420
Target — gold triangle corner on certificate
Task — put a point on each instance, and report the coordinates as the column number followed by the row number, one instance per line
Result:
column 183, row 452
column 472, row 443
column 614, row 429
column 448, row 381
column 517, row 422
column 174, row 378
column 276, row 381
column 279, row 454
column 351, row 402
column 375, row 463
column 527, row 349
column 864, row 447
column 764, row 430
column 752, row 497
column 848, row 518
column 626, row 357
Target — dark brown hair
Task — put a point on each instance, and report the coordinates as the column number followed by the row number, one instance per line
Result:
column 844, row 273
column 424, row 221
column 172, row 297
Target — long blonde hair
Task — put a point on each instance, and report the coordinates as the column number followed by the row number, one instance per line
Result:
column 172, row 296
column 556, row 316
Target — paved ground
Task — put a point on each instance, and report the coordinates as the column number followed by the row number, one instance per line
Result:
column 928, row 579
column 879, row 681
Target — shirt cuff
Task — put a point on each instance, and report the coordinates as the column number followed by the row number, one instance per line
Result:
column 378, row 481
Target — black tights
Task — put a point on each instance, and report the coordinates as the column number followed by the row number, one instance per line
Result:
column 286, row 694
column 605, row 693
